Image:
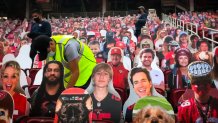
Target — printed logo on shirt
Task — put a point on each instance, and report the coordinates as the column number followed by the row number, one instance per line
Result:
column 186, row 103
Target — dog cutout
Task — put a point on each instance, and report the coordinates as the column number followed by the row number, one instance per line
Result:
column 153, row 114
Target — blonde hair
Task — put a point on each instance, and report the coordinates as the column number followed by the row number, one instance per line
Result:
column 105, row 67
column 16, row 66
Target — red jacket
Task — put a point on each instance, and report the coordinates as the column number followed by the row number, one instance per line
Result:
column 119, row 76
column 188, row 111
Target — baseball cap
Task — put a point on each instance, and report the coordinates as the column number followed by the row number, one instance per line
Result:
column 182, row 33
column 120, row 44
column 183, row 51
column 115, row 50
column 39, row 46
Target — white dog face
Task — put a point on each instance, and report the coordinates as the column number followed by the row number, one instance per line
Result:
column 151, row 114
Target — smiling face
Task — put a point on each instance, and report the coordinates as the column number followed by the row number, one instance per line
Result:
column 142, row 86
column 183, row 60
column 95, row 48
column 10, row 79
column 115, row 59
column 146, row 59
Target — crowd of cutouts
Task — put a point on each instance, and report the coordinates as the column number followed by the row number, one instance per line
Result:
column 172, row 49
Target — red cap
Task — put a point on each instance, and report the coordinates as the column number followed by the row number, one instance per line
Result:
column 216, row 51
column 120, row 44
column 115, row 51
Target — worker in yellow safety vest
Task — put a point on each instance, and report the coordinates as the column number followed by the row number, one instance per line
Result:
column 77, row 58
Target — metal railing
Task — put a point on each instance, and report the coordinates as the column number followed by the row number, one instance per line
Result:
column 192, row 28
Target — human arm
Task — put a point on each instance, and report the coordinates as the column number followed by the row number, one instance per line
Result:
column 43, row 28
column 72, row 56
column 74, row 69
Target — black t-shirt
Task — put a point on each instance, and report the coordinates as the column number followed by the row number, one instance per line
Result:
column 128, row 116
column 47, row 106
column 109, row 109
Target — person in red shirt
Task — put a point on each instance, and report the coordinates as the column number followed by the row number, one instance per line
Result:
column 202, row 108
column 120, row 73
column 10, row 75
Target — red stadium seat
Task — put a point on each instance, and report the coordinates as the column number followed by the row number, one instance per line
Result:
column 175, row 96
column 122, row 93
column 31, row 88
column 160, row 91
column 32, row 73
column 189, row 93
column 166, row 75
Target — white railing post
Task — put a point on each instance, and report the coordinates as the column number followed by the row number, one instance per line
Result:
column 212, row 39
column 183, row 22
column 196, row 25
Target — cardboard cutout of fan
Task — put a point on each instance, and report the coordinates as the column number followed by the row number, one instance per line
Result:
column 153, row 109
column 199, row 69
column 74, row 106
column 6, row 107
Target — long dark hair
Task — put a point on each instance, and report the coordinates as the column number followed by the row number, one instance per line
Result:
column 42, row 89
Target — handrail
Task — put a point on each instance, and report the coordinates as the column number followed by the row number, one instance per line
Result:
column 192, row 30
column 212, row 35
column 181, row 24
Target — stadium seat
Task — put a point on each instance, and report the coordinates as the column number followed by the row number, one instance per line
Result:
column 122, row 93
column 31, row 88
column 175, row 96
column 189, row 93
column 160, row 91
column 32, row 73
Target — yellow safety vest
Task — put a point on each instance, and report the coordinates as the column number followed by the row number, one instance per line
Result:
column 86, row 63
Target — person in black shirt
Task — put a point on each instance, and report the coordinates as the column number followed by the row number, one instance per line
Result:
column 140, row 22
column 39, row 26
column 44, row 99
column 107, row 103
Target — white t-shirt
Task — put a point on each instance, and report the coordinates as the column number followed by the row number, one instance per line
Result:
column 156, row 76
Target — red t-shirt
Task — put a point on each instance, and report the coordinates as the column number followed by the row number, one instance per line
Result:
column 20, row 102
column 188, row 112
column 119, row 76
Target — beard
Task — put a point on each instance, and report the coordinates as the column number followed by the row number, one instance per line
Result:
column 52, row 82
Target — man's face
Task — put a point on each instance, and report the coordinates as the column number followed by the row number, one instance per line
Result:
column 146, row 59
column 115, row 59
column 127, row 34
column 142, row 86
column 95, row 48
column 36, row 17
column 52, row 46
column 52, row 74
column 101, row 78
